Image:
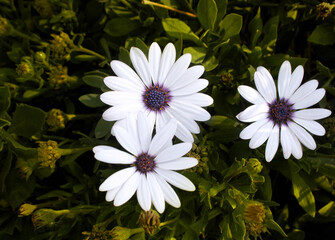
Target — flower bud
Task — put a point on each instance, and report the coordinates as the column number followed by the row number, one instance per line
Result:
column 48, row 153
column 254, row 166
column 324, row 9
column 149, row 220
column 254, row 216
column 26, row 209
column 46, row 217
column 55, row 119
column 5, row 27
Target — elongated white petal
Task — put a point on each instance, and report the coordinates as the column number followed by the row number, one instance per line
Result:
column 167, row 60
column 176, row 179
column 117, row 179
column 311, row 99
column 261, row 135
column 184, row 119
column 272, row 144
column 110, row 195
column 119, row 112
column 250, row 94
column 100, row 148
column 123, row 84
column 200, row 99
column 127, row 190
column 250, row 130
column 121, row 123
column 133, row 132
column 312, row 126
column 127, row 141
column 154, row 61
column 162, row 119
column 170, row 195
column 312, row 113
column 143, row 193
column 120, row 98
column 265, row 86
column 177, row 70
column 178, row 164
column 122, row 70
column 114, row 156
column 286, row 141
column 296, row 147
column 183, row 133
column 189, row 77
column 271, row 87
column 197, row 113
column 284, row 78
column 304, row 137
column 173, row 152
column 196, row 86
column 157, row 195
column 144, row 131
column 141, row 65
column 303, row 91
column 162, row 136
column 296, row 79
column 254, row 113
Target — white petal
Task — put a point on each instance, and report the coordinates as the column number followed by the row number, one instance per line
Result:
column 284, row 78
column 110, row 195
column 254, row 113
column 272, row 144
column 127, row 190
column 170, row 195
column 133, row 132
column 311, row 99
column 100, row 148
column 261, row 135
column 295, row 82
column 154, row 61
column 184, row 119
column 286, row 141
column 197, row 113
column 312, row 113
column 173, row 152
column 143, row 193
column 183, row 133
column 114, row 156
column 303, row 91
column 117, row 179
column 122, row 70
column 127, row 141
column 192, row 88
column 121, row 123
column 189, row 77
column 162, row 136
column 312, row 126
column 178, row 164
column 250, row 130
column 162, row 119
column 296, row 147
column 304, row 137
column 141, row 65
column 200, row 99
column 167, row 60
column 177, row 70
column 265, row 85
column 123, row 84
column 119, row 112
column 157, row 195
column 120, row 98
column 144, row 131
column 250, row 94
column 176, row 179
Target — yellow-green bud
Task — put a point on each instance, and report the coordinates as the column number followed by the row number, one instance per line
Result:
column 55, row 119
column 254, row 166
column 121, row 233
column 58, row 77
column 324, row 9
column 227, row 79
column 5, row 27
column 46, row 217
column 254, row 216
column 48, row 153
column 61, row 46
column 40, row 56
column 25, row 69
column 149, row 220
column 26, row 209
column 43, row 7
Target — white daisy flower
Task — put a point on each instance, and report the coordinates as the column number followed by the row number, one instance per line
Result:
column 152, row 163
column 283, row 118
column 161, row 87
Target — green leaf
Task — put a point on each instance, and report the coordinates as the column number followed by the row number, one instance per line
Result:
column 118, row 27
column 91, row 100
column 103, row 128
column 323, row 34
column 4, row 98
column 270, row 33
column 178, row 29
column 274, row 226
column 302, row 191
column 231, row 25
column 94, row 80
column 255, row 28
column 28, row 121
column 222, row 9
column 198, row 54
column 207, row 12
column 328, row 210
column 323, row 69
column 137, row 42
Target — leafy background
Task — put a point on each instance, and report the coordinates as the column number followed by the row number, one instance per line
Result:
column 54, row 55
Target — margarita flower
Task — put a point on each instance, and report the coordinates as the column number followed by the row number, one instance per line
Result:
column 161, row 87
column 284, row 117
column 152, row 162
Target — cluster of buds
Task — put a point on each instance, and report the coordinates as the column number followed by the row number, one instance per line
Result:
column 48, row 153
column 199, row 153
column 254, row 215
column 56, row 119
column 58, row 77
column 324, row 9
column 25, row 69
column 61, row 47
column 227, row 79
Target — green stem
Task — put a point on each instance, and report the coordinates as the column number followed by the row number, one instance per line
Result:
column 80, row 116
column 68, row 151
column 23, row 35
column 85, row 50
column 168, row 222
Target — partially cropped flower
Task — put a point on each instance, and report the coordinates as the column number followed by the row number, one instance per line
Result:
column 58, row 77
column 48, row 153
column 284, row 118
column 55, row 119
column 324, row 9
column 149, row 220
column 61, row 46
column 152, row 161
column 26, row 209
column 5, row 27
column 161, row 87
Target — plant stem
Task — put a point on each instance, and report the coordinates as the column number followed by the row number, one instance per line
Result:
column 85, row 50
column 146, row 2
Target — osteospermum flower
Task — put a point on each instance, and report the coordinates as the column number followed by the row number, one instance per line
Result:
column 152, row 163
column 161, row 87
column 283, row 118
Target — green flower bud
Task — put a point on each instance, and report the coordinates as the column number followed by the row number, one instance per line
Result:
column 5, row 27
column 25, row 68
column 56, row 119
column 48, row 153
column 43, row 7
column 324, row 9
column 149, row 220
column 26, row 209
column 40, row 56
column 254, row 166
column 58, row 77
column 46, row 217
column 254, row 215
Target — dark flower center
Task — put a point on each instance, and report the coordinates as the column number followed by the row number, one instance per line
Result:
column 145, row 163
column 156, row 98
column 280, row 111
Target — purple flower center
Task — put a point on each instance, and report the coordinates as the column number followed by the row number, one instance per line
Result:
column 156, row 98
column 280, row 111
column 145, row 163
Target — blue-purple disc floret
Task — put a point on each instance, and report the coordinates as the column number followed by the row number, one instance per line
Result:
column 280, row 111
column 145, row 163
column 156, row 98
